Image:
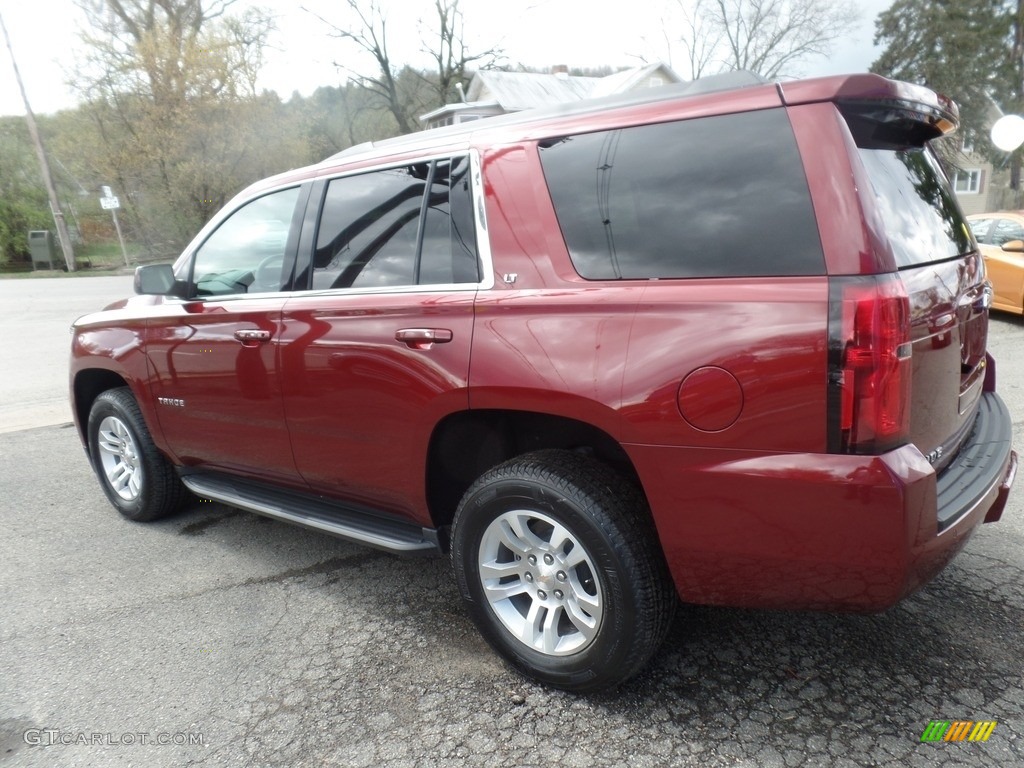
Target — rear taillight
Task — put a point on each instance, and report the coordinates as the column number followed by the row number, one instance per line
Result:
column 869, row 364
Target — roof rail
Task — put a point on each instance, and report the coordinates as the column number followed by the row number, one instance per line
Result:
column 355, row 149
column 711, row 84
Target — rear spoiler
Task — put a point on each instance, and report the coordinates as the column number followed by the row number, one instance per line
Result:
column 897, row 112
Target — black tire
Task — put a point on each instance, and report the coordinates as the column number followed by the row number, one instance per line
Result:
column 139, row 480
column 591, row 618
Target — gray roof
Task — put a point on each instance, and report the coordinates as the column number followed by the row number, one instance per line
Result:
column 518, row 91
column 460, row 107
column 627, row 79
column 446, row 135
column 515, row 91
column 525, row 90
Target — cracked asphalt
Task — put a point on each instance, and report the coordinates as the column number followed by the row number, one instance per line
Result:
column 277, row 646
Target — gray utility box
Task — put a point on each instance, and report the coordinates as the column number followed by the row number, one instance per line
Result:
column 40, row 245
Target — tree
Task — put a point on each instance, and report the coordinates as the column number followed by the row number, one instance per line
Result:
column 170, row 87
column 698, row 43
column 369, row 33
column 44, row 162
column 967, row 49
column 336, row 117
column 23, row 200
column 767, row 37
column 451, row 58
column 400, row 88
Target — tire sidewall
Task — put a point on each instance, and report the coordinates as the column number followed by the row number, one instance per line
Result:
column 611, row 646
column 105, row 405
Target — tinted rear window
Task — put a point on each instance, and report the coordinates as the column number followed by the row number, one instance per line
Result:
column 711, row 197
column 411, row 225
column 921, row 215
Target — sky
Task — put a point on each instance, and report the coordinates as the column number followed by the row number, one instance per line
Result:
column 302, row 55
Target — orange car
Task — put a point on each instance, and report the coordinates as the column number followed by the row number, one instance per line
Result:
column 1001, row 239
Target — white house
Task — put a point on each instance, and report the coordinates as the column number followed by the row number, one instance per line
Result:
column 497, row 93
column 980, row 185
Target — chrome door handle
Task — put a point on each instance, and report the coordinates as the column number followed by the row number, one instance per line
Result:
column 423, row 338
column 251, row 334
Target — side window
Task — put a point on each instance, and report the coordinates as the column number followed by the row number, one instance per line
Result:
column 1004, row 231
column 967, row 182
column 246, row 253
column 397, row 227
column 709, row 197
column 449, row 242
column 979, row 228
column 368, row 229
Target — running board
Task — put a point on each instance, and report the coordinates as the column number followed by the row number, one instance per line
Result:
column 347, row 522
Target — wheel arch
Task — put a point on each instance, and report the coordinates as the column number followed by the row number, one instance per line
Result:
column 466, row 444
column 89, row 384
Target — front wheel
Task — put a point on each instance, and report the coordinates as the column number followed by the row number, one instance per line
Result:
column 137, row 478
column 561, row 571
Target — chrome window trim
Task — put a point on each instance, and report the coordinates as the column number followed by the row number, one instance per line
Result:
column 483, row 239
column 483, row 244
column 388, row 290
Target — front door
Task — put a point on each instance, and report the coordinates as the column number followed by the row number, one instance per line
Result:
column 214, row 356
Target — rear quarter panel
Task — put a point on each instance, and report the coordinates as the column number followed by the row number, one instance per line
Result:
column 544, row 340
column 614, row 353
column 766, row 340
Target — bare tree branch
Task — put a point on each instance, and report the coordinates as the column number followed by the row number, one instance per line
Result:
column 369, row 34
column 769, row 37
column 404, row 90
column 166, row 83
column 450, row 55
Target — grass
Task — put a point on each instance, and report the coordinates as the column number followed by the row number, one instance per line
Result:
column 103, row 258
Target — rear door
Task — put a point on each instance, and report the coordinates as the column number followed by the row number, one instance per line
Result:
column 376, row 351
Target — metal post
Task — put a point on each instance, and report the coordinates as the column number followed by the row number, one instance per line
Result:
column 117, row 226
column 110, row 202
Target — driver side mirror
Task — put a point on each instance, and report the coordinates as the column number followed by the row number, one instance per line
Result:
column 1014, row 246
column 157, row 280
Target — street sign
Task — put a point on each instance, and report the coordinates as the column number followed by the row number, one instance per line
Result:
column 109, row 203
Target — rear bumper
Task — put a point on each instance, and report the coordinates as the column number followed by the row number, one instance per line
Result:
column 822, row 531
column 983, row 465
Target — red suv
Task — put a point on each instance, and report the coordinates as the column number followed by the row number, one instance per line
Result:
column 717, row 342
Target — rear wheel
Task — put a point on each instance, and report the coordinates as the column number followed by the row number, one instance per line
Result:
column 137, row 478
column 560, row 569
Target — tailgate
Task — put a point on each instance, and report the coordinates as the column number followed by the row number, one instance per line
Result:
column 944, row 277
column 949, row 328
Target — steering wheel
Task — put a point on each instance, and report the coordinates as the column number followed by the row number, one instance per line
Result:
column 267, row 275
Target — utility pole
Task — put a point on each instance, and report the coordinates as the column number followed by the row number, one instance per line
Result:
column 111, row 203
column 44, row 165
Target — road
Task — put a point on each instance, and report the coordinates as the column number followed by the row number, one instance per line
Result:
column 276, row 646
column 35, row 315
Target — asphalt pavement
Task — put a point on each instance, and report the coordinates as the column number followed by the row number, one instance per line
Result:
column 220, row 638
column 35, row 320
